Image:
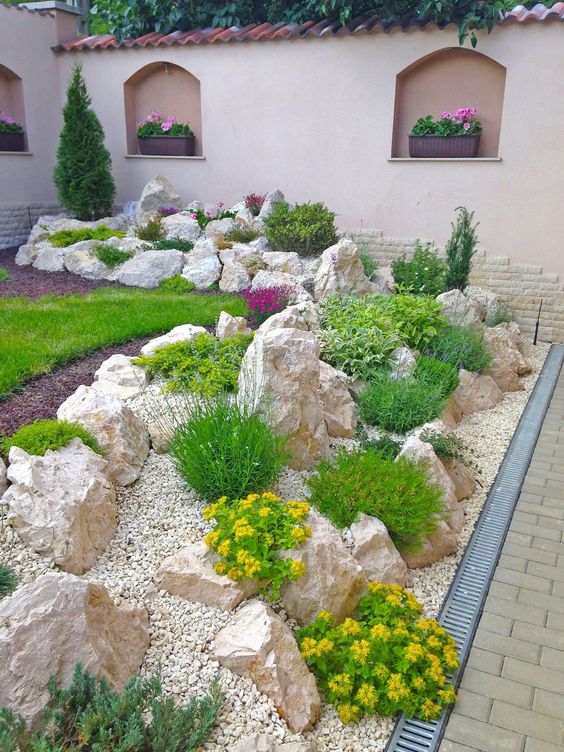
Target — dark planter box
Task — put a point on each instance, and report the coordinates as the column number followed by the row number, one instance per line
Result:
column 444, row 146
column 12, row 141
column 167, row 146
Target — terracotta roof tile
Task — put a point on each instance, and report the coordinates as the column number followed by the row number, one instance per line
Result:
column 256, row 32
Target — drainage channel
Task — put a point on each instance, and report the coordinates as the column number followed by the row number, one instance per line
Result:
column 464, row 601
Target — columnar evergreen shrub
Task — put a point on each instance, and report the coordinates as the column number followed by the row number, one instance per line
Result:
column 83, row 173
column 460, row 250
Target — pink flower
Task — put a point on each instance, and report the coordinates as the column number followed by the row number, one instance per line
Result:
column 208, row 214
column 194, row 216
column 167, row 125
column 446, row 116
column 219, row 204
column 467, row 126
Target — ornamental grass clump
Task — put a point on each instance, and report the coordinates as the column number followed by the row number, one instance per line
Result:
column 365, row 482
column 42, row 435
column 264, row 302
column 306, row 229
column 424, row 274
column 437, row 373
column 251, row 532
column 8, row 582
column 242, row 234
column 462, row 347
column 202, row 365
column 152, row 229
column 387, row 661
column 111, row 256
column 226, row 449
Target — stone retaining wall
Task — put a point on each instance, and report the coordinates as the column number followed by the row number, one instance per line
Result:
column 522, row 286
column 16, row 220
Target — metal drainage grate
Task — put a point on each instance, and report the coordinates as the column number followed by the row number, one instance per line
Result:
column 464, row 601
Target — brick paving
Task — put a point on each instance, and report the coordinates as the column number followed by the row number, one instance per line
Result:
column 511, row 697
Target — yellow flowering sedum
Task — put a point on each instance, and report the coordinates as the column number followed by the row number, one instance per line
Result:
column 249, row 535
column 387, row 660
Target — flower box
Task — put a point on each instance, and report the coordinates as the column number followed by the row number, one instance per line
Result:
column 12, row 141
column 444, row 147
column 167, row 146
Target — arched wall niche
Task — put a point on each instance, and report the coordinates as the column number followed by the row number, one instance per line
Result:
column 11, row 96
column 165, row 87
column 446, row 80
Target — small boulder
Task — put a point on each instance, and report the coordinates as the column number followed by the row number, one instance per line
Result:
column 434, row 548
column 297, row 293
column 402, row 363
column 182, row 225
column 490, row 302
column 341, row 270
column 452, row 414
column 333, row 580
column 157, row 193
column 84, row 263
column 62, row 504
column 272, row 198
column 234, row 277
column 3, row 477
column 476, row 392
column 230, row 326
column 259, row 646
column 375, row 552
column 50, row 259
column 57, row 620
column 462, row 476
column 189, row 573
column 459, row 309
column 119, row 432
column 202, row 270
column 26, row 254
column 220, row 227
column 278, row 261
column 339, row 408
column 383, row 281
column 302, row 316
column 508, row 364
column 119, row 377
column 178, row 334
column 150, row 268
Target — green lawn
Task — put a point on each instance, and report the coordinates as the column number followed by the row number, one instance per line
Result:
column 37, row 335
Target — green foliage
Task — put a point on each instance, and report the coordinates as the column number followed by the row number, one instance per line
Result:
column 368, row 263
column 5, row 275
column 242, row 234
column 203, row 365
column 447, row 446
column 177, row 285
column 173, row 244
column 251, row 532
column 398, row 492
column 152, row 229
column 227, row 450
column 38, row 335
column 438, row 373
column 111, row 256
column 417, row 319
column 205, row 217
column 89, row 716
column 83, row 174
column 399, row 405
column 64, row 238
column 8, row 582
column 462, row 347
column 460, row 249
column 424, row 274
column 385, row 445
column 388, row 661
column 42, row 435
column 446, row 126
column 306, row 229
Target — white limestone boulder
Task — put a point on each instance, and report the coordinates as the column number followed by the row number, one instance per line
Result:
column 383, row 281
column 490, row 302
column 333, row 580
column 375, row 552
column 180, row 333
column 258, row 645
column 118, row 376
column 49, row 625
column 150, row 268
column 459, row 309
column 297, row 293
column 189, row 574
column 86, row 264
column 50, row 259
column 62, row 504
column 231, row 326
column 302, row 316
column 203, row 268
column 221, row 227
column 159, row 192
column 3, row 477
column 280, row 377
column 234, row 277
column 182, row 225
column 278, row 261
column 272, row 198
column 339, row 408
column 118, row 431
column 476, row 392
column 341, row 270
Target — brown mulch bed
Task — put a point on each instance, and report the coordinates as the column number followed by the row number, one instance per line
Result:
column 33, row 283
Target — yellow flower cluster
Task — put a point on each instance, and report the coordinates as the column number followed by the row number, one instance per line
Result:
column 348, row 713
column 360, row 650
column 311, row 647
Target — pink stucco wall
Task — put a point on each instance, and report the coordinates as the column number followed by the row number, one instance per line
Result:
column 315, row 118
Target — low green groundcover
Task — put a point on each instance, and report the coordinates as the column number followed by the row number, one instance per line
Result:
column 42, row 435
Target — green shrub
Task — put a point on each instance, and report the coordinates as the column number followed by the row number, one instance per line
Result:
column 83, row 173
column 417, row 319
column 385, row 445
column 8, row 582
column 402, row 404
column 438, row 373
column 462, row 347
column 368, row 263
column 307, row 229
column 251, row 532
column 227, row 450
column 89, row 715
column 177, row 284
column 111, row 256
column 5, row 275
column 242, row 234
column 424, row 274
column 205, row 217
column 449, row 446
column 173, row 244
column 64, row 238
column 42, row 435
column 398, row 492
column 152, row 229
column 203, row 365
column 388, row 661
column 460, row 250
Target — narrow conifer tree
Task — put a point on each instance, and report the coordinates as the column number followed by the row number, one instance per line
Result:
column 83, row 173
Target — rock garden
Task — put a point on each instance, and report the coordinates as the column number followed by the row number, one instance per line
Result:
column 247, row 530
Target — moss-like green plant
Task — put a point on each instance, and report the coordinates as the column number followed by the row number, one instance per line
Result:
column 64, row 238
column 173, row 244
column 462, row 347
column 306, row 229
column 5, row 275
column 397, row 492
column 42, row 435
column 178, row 285
column 111, row 256
column 8, row 582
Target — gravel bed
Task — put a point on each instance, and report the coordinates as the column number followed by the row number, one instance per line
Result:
column 158, row 515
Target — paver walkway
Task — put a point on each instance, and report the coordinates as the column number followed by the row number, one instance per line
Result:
column 511, row 698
